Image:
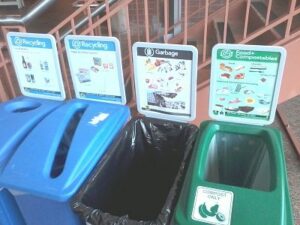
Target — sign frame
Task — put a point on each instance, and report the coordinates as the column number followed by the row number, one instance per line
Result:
column 191, row 94
column 57, row 70
column 269, row 113
column 118, row 61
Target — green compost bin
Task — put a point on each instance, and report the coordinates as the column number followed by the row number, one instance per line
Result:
column 237, row 176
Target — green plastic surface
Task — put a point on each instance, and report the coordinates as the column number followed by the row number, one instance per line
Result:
column 247, row 161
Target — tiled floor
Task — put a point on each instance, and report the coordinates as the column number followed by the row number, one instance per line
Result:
column 292, row 109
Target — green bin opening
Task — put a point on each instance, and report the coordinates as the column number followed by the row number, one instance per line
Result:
column 240, row 160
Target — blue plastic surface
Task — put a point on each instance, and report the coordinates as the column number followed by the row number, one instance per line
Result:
column 9, row 211
column 30, row 167
column 17, row 118
column 41, row 211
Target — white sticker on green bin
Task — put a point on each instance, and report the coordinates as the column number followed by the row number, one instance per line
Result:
column 245, row 82
column 212, row 206
column 165, row 80
column 96, row 68
column 36, row 63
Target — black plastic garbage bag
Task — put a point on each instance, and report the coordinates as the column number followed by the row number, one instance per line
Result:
column 139, row 178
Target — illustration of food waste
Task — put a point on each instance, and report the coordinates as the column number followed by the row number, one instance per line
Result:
column 94, row 68
column 166, row 77
column 36, row 65
column 245, row 82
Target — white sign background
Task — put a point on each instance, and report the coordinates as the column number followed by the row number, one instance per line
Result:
column 36, row 63
column 96, row 68
column 211, row 197
column 245, row 83
column 165, row 79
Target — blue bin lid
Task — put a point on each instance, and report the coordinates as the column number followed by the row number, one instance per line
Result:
column 59, row 154
column 17, row 118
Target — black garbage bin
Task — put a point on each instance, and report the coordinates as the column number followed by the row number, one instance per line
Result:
column 140, row 177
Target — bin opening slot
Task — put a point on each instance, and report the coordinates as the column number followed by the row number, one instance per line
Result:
column 64, row 145
column 22, row 106
column 240, row 160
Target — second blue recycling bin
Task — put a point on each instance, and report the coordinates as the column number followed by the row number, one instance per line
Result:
column 50, row 165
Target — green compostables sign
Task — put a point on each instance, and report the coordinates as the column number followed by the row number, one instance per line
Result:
column 245, row 82
column 248, row 55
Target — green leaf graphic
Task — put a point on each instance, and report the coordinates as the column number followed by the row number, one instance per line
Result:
column 201, row 211
column 214, row 209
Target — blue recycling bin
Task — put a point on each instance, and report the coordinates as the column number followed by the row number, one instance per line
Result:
column 9, row 210
column 17, row 118
column 50, row 165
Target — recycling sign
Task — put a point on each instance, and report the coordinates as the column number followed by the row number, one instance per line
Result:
column 212, row 206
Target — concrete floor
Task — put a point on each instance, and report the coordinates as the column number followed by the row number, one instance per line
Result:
column 291, row 109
